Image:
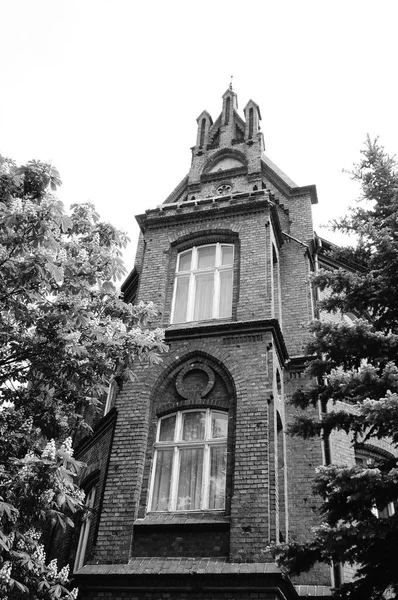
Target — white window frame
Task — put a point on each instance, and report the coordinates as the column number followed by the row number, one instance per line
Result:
column 193, row 272
column 389, row 508
column 85, row 529
column 178, row 444
column 112, row 391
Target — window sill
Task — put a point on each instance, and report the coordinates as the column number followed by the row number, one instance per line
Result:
column 187, row 518
column 204, row 322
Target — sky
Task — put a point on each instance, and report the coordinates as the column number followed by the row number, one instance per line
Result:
column 109, row 91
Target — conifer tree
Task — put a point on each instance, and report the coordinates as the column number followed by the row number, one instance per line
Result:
column 355, row 383
column 65, row 333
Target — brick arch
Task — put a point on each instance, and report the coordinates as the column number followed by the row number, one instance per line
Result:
column 216, row 359
column 224, row 153
column 195, row 237
column 90, row 475
column 375, row 450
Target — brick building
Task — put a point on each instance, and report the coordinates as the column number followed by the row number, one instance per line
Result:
column 190, row 472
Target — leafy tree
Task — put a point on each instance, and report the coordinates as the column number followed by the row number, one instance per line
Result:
column 64, row 333
column 355, row 381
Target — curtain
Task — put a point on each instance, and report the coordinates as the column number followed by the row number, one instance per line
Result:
column 219, row 425
column 161, row 487
column 206, row 257
column 190, row 480
column 218, row 466
column 227, row 255
column 167, row 426
column 225, row 309
column 193, row 427
column 204, row 296
column 181, row 299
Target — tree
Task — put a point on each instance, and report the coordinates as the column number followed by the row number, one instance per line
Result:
column 356, row 364
column 65, row 333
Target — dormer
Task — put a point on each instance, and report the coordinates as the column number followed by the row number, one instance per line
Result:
column 204, row 122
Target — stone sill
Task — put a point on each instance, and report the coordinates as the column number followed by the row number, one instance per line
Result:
column 187, row 519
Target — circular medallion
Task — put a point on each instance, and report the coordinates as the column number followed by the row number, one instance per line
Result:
column 224, row 189
column 195, row 381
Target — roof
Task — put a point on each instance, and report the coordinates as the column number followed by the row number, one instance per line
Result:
column 278, row 171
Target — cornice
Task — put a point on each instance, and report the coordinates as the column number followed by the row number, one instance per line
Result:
column 212, row 207
column 230, row 329
column 187, row 575
column 300, row 363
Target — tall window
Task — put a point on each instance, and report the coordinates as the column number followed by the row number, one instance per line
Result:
column 85, row 530
column 190, row 462
column 203, row 283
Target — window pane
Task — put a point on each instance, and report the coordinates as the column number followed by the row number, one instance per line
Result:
column 166, row 433
column 218, row 467
column 225, row 308
column 193, row 426
column 206, row 257
column 204, row 297
column 181, row 299
column 190, row 480
column 227, row 255
column 161, row 486
column 219, row 425
column 184, row 264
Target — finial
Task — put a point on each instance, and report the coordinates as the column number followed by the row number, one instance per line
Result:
column 230, row 85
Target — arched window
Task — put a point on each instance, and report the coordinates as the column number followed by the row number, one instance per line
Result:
column 189, row 465
column 203, row 283
column 85, row 529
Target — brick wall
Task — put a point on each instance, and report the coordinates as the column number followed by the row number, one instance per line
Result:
column 269, row 474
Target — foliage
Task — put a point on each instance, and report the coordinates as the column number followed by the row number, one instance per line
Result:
column 355, row 379
column 64, row 333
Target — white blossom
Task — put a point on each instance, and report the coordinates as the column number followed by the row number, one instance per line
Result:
column 50, row 450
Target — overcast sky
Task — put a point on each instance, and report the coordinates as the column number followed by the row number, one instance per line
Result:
column 109, row 91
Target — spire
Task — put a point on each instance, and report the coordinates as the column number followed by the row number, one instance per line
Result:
column 204, row 122
column 253, row 118
column 230, row 84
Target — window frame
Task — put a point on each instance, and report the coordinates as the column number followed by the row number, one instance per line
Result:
column 85, row 527
column 370, row 456
column 110, row 397
column 176, row 445
column 193, row 273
